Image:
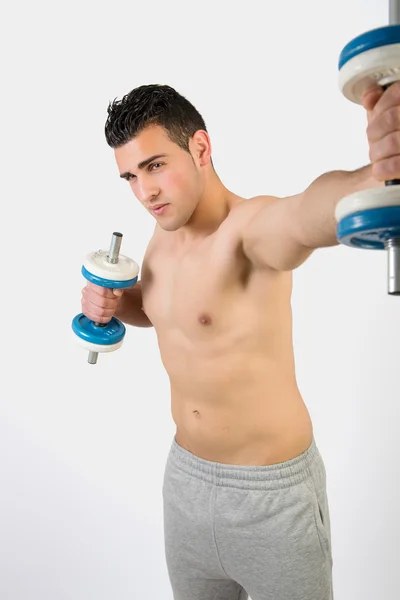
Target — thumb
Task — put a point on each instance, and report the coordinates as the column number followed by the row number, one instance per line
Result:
column 371, row 96
column 118, row 292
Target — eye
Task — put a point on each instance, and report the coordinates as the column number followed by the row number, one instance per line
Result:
column 155, row 165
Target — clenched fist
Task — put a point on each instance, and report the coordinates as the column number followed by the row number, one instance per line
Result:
column 383, row 130
column 99, row 304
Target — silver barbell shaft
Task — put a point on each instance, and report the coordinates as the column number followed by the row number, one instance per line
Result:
column 393, row 246
column 394, row 12
column 115, row 247
column 112, row 257
column 393, row 258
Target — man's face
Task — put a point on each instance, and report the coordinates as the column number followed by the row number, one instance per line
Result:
column 172, row 181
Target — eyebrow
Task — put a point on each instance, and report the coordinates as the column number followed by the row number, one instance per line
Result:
column 142, row 165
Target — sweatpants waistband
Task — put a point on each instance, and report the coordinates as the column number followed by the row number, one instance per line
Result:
column 266, row 477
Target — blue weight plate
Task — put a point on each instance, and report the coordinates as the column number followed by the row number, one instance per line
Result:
column 383, row 36
column 112, row 333
column 369, row 229
column 107, row 283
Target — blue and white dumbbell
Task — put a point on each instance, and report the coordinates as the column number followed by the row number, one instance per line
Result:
column 370, row 219
column 111, row 270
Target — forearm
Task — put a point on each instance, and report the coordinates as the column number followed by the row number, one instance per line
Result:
column 315, row 211
column 130, row 309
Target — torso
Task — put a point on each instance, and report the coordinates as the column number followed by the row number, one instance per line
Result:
column 224, row 330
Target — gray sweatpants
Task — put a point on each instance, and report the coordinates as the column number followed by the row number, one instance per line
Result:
column 232, row 531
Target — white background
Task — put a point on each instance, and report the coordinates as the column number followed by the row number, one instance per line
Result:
column 83, row 448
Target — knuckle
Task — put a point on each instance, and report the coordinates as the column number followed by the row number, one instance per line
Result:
column 390, row 145
column 393, row 143
column 378, row 172
column 392, row 116
column 393, row 92
column 102, row 312
column 98, row 317
column 393, row 166
column 396, row 90
column 108, row 303
column 370, row 132
column 371, row 157
column 387, row 169
column 386, row 148
column 374, row 152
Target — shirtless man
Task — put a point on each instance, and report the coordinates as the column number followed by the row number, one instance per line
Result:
column 245, row 504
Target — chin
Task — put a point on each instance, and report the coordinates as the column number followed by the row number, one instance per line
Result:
column 172, row 224
column 169, row 226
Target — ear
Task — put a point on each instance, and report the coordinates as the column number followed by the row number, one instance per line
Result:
column 200, row 147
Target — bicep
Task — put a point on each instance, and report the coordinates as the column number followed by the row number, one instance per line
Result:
column 135, row 293
column 270, row 236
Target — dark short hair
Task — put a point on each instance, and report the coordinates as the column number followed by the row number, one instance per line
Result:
column 153, row 104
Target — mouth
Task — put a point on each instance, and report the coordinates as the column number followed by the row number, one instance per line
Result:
column 159, row 209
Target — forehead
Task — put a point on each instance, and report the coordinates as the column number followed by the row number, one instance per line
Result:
column 152, row 140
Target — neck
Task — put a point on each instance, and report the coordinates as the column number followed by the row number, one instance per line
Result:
column 214, row 206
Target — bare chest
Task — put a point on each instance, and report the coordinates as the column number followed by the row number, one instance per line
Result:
column 194, row 292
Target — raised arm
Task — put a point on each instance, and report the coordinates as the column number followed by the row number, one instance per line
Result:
column 283, row 232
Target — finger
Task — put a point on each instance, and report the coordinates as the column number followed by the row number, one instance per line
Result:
column 100, row 301
column 100, row 290
column 99, row 311
column 371, row 97
column 387, row 169
column 93, row 316
column 388, row 99
column 386, row 123
column 386, row 147
column 118, row 292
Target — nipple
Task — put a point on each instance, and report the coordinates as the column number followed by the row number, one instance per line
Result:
column 205, row 319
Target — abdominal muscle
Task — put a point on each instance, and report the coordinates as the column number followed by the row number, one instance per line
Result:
column 238, row 408
column 225, row 340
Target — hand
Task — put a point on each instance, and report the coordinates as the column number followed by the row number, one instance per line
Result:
column 99, row 304
column 383, row 130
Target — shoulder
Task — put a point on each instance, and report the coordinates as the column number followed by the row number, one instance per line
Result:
column 155, row 238
column 247, row 209
column 250, row 206
column 151, row 246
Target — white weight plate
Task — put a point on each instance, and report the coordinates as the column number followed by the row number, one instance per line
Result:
column 380, row 197
column 97, row 347
column 97, row 264
column 376, row 66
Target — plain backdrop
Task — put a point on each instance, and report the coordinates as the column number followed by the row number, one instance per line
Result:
column 83, row 448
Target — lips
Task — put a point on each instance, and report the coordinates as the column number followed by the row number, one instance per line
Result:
column 159, row 209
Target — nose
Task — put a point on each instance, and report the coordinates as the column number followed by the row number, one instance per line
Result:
column 146, row 191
